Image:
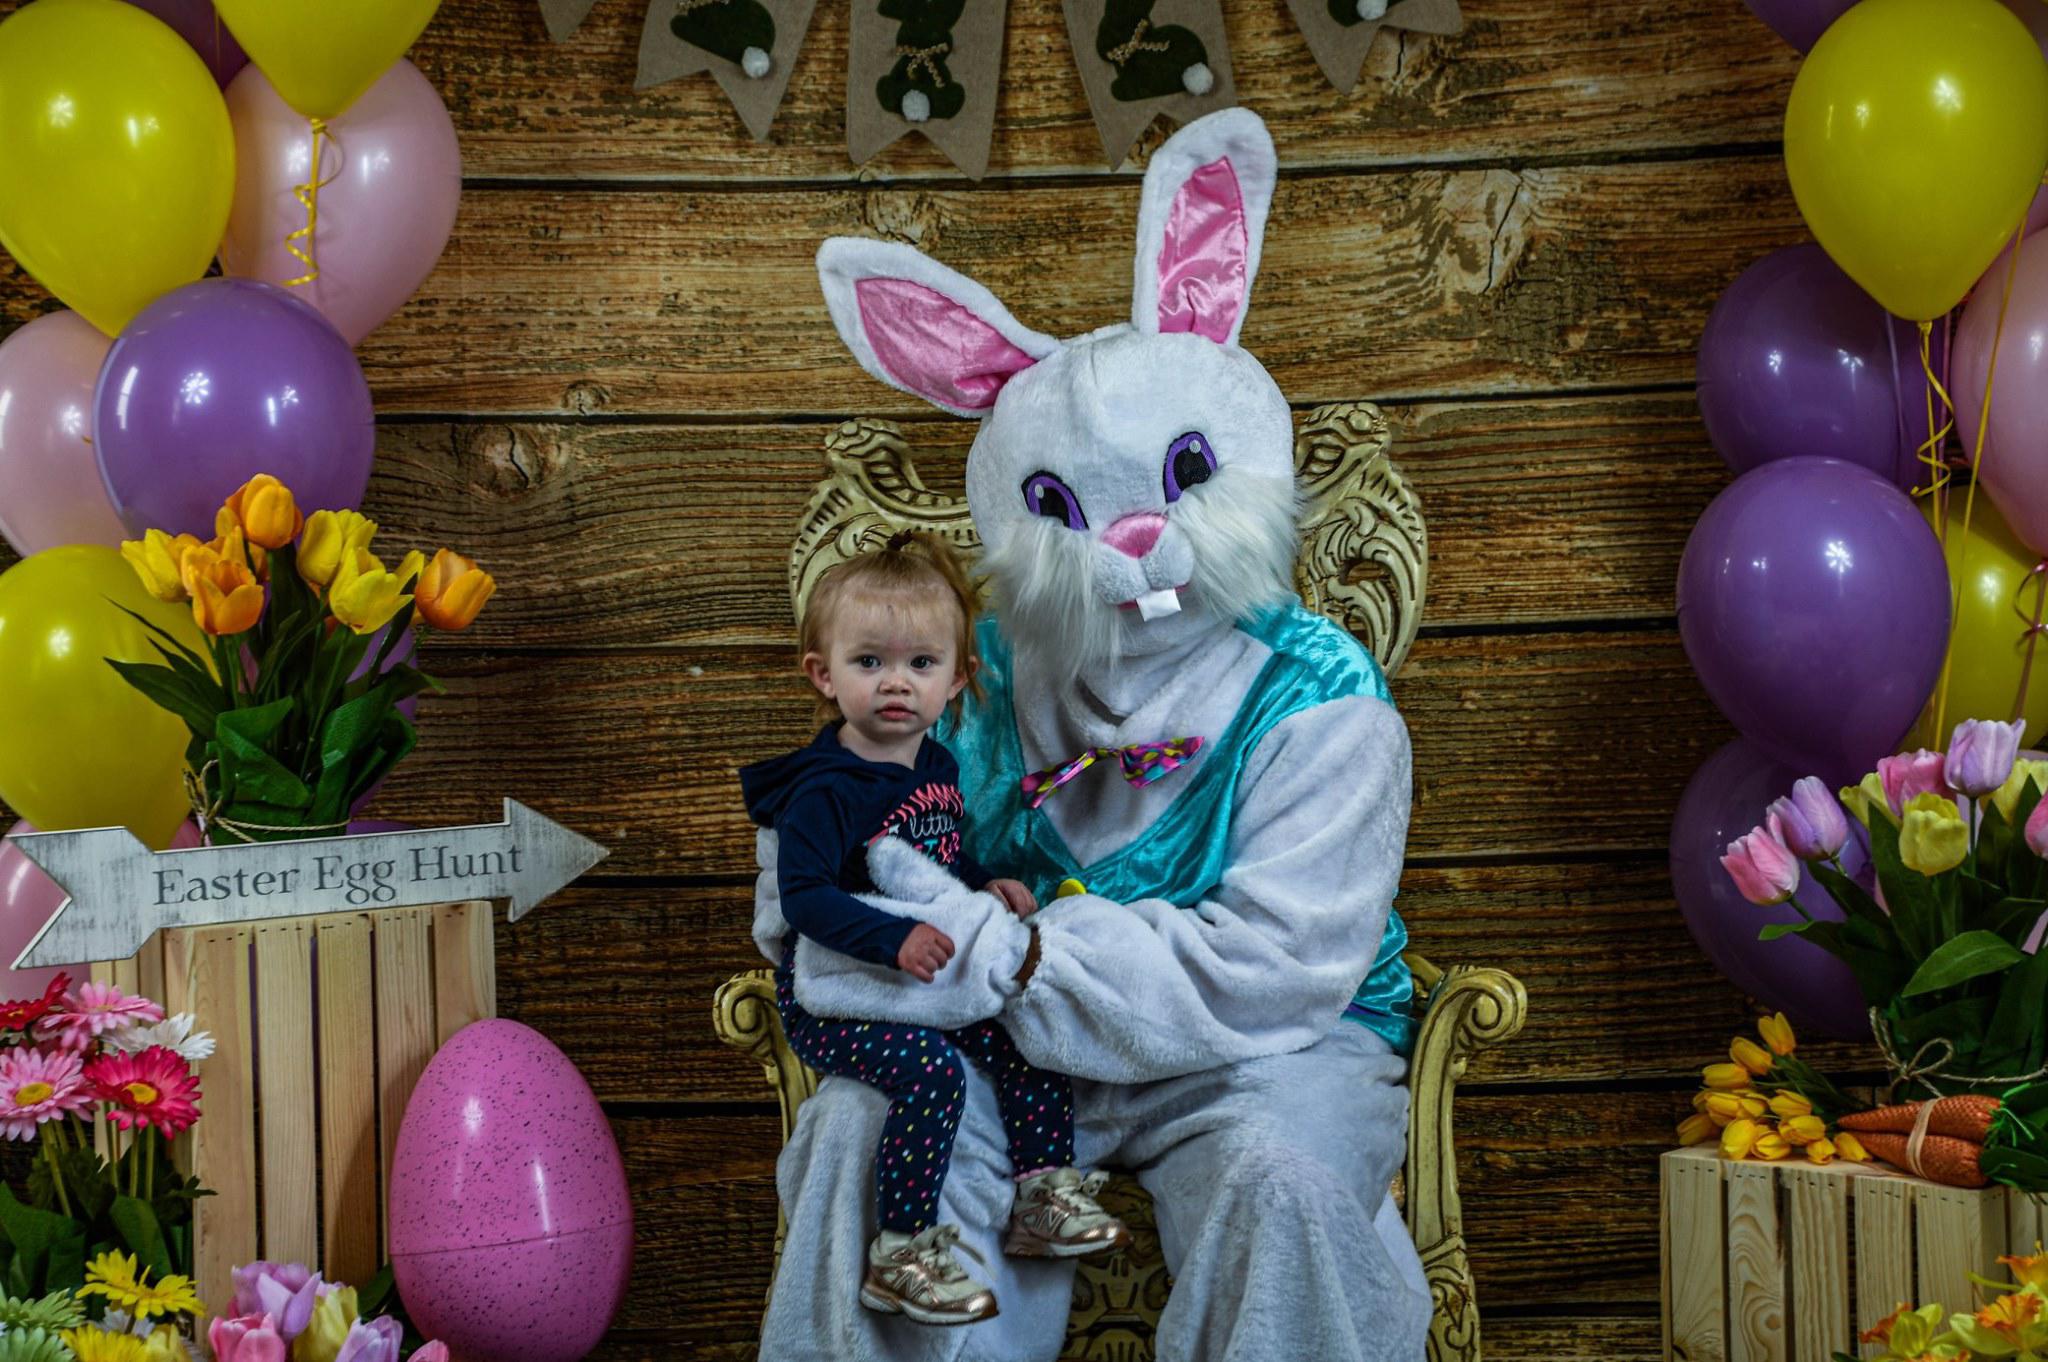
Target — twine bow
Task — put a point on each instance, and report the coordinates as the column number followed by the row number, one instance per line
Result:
column 1142, row 763
column 1124, row 51
column 928, row 58
column 206, row 812
column 1923, row 1069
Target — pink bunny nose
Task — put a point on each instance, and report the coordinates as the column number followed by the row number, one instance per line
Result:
column 1135, row 535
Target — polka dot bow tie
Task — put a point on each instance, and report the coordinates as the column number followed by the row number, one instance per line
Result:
column 1142, row 764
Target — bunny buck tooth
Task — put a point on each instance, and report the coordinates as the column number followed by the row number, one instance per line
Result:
column 1159, row 604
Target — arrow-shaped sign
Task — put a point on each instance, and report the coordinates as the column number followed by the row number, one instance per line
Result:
column 121, row 891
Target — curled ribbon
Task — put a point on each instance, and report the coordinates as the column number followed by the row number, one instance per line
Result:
column 308, row 195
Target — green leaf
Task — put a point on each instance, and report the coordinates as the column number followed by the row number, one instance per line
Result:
column 1774, row 930
column 1961, row 959
column 250, row 773
column 2014, row 918
column 162, row 633
column 2022, row 1009
column 49, row 1249
column 136, row 1222
column 1915, row 908
column 167, row 690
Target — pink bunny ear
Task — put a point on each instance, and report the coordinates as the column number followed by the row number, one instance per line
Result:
column 1201, row 224
column 923, row 328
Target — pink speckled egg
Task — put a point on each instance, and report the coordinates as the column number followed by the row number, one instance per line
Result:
column 511, row 1233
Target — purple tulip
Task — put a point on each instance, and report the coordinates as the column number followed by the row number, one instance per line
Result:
column 285, row 1291
column 372, row 1340
column 1981, row 754
column 1765, row 872
column 1811, row 821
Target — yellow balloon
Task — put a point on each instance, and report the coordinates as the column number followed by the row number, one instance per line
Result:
column 321, row 55
column 1991, row 643
column 117, row 160
column 79, row 746
column 1915, row 137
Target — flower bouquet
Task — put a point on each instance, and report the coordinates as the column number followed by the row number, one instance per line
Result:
column 280, row 1307
column 2013, row 1324
column 1766, row 1103
column 1944, row 940
column 92, row 1060
column 293, row 717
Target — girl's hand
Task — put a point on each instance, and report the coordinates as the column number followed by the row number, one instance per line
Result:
column 1015, row 895
column 924, row 952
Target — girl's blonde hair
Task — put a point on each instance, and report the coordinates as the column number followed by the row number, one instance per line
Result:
column 911, row 569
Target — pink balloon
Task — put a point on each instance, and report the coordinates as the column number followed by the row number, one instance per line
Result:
column 2015, row 467
column 27, row 898
column 391, row 174
column 50, row 489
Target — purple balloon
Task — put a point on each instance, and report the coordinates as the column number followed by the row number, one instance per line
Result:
column 363, row 827
column 1814, row 604
column 1796, row 361
column 1799, row 22
column 1726, row 798
column 198, row 24
column 216, row 382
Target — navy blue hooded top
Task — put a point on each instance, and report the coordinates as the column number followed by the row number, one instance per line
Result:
column 828, row 805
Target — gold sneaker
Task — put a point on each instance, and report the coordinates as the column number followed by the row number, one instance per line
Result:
column 1055, row 1216
column 918, row 1276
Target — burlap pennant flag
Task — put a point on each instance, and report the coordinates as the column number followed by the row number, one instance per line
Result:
column 565, row 16
column 748, row 46
column 1143, row 58
column 1340, row 32
column 928, row 65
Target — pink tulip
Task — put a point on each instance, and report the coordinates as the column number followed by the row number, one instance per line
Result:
column 1913, row 773
column 250, row 1338
column 1981, row 754
column 436, row 1351
column 1765, row 871
column 1811, row 821
column 2037, row 829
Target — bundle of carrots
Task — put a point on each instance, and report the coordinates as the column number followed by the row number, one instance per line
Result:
column 1951, row 1148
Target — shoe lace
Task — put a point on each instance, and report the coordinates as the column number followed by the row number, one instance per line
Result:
column 1076, row 1194
column 933, row 1251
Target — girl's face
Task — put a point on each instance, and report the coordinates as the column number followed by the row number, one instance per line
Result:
column 892, row 670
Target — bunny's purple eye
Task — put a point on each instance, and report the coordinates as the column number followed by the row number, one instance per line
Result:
column 1046, row 495
column 1189, row 462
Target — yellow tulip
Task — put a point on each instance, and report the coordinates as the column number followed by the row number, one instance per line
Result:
column 1726, row 1077
column 1700, row 1100
column 1733, row 1106
column 1770, row 1145
column 452, row 591
column 1803, row 1130
column 1738, row 1138
column 325, row 1332
column 1861, row 798
column 1777, row 1033
column 1788, row 1104
column 1933, row 836
column 157, row 559
column 1821, row 1151
column 267, row 513
column 1696, row 1129
column 329, row 536
column 2006, row 798
column 364, row 596
column 1851, row 1148
column 163, row 1345
column 1751, row 1056
column 229, row 542
column 409, row 570
column 226, row 598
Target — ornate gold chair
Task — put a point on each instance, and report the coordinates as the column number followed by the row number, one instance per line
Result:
column 1364, row 560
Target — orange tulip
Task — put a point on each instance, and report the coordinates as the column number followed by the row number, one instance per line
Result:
column 226, row 598
column 268, row 515
column 452, row 590
column 229, row 542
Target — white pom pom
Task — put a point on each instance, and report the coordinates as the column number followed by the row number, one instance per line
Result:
column 1369, row 10
column 917, row 105
column 1198, row 79
column 756, row 64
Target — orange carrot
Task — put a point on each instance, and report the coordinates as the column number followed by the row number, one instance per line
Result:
column 1962, row 1118
column 1945, row 1160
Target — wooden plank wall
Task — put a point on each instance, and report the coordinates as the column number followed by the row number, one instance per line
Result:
column 614, row 389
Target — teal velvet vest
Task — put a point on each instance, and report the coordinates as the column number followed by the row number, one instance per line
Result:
column 1181, row 857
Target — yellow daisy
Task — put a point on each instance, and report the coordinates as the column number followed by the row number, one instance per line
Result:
column 114, row 1275
column 89, row 1344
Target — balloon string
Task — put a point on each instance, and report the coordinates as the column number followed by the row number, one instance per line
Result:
column 2037, row 577
column 1929, row 452
column 309, row 197
column 1962, row 565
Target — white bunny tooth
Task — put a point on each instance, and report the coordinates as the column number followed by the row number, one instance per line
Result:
column 1154, row 605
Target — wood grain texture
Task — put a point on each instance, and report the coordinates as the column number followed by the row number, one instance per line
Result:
column 401, row 948
column 465, row 967
column 349, row 1150
column 1526, row 78
column 1957, row 1232
column 1818, row 1262
column 606, row 536
column 1756, row 1265
column 207, row 973
column 285, row 1087
column 1885, row 1274
column 1694, row 1264
column 1411, row 283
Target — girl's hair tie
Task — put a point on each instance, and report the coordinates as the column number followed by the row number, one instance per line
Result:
column 900, row 541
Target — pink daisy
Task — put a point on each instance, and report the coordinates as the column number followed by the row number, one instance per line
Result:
column 38, row 1086
column 92, row 1010
column 154, row 1088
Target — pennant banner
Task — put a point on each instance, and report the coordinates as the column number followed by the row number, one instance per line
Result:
column 928, row 65
column 1143, row 58
column 564, row 17
column 1340, row 32
column 748, row 46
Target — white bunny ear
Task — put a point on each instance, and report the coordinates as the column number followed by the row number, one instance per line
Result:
column 1200, row 226
column 921, row 327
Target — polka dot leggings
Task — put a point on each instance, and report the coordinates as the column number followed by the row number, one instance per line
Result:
column 918, row 1068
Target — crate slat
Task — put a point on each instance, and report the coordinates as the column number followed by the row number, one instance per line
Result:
column 1818, row 1205
column 2026, row 1222
column 349, row 1190
column 1885, row 1271
column 285, row 1077
column 465, row 968
column 1959, row 1232
column 403, row 955
column 212, row 965
column 1695, row 1306
column 1756, row 1266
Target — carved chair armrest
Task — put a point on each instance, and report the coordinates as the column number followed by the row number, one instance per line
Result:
column 745, row 1017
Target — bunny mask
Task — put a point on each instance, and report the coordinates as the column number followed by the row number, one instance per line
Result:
column 1109, row 503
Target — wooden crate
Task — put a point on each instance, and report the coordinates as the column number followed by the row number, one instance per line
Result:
column 1786, row 1262
column 324, row 1024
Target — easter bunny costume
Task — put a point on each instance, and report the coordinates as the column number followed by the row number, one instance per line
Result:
column 1133, row 489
